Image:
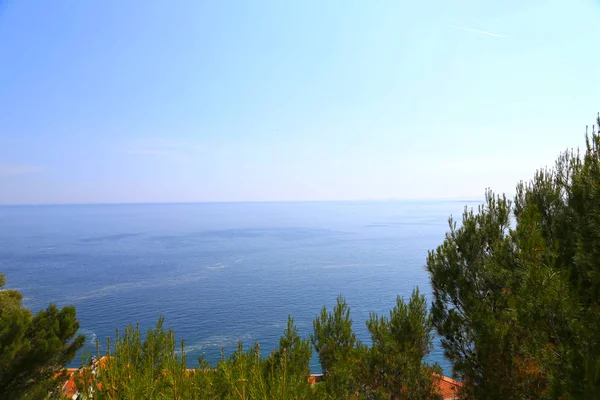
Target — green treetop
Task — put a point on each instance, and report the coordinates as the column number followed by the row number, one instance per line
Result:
column 517, row 286
column 34, row 349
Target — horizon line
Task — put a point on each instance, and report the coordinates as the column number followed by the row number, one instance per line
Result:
column 448, row 199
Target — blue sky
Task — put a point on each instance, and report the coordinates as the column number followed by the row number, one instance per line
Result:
column 167, row 101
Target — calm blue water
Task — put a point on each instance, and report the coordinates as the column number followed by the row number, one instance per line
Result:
column 220, row 272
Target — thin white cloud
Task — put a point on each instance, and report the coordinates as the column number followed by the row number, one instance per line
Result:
column 153, row 152
column 165, row 154
column 159, row 148
column 479, row 32
column 17, row 169
column 161, row 143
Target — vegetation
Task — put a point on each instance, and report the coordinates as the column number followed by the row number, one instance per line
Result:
column 516, row 304
column 392, row 368
column 517, row 287
column 34, row 349
column 395, row 366
column 156, row 368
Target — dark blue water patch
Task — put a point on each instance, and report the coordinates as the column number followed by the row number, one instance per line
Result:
column 291, row 233
column 109, row 238
column 41, row 257
column 284, row 234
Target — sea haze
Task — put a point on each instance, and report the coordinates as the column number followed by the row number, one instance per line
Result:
column 221, row 272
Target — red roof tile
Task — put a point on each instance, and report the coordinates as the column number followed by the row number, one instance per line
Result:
column 69, row 389
column 449, row 387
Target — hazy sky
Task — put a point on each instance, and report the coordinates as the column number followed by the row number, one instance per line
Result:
column 152, row 101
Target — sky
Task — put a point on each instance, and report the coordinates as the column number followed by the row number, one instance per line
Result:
column 186, row 101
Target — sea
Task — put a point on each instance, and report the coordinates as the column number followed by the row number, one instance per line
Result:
column 221, row 273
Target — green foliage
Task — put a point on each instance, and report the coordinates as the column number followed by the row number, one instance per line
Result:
column 517, row 287
column 143, row 369
column 154, row 368
column 337, row 347
column 393, row 367
column 33, row 349
column 333, row 338
column 290, row 361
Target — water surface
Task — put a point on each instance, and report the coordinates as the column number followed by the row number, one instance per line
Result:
column 220, row 272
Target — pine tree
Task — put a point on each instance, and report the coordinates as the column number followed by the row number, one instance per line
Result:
column 34, row 349
column 517, row 286
column 338, row 349
column 395, row 362
column 289, row 363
